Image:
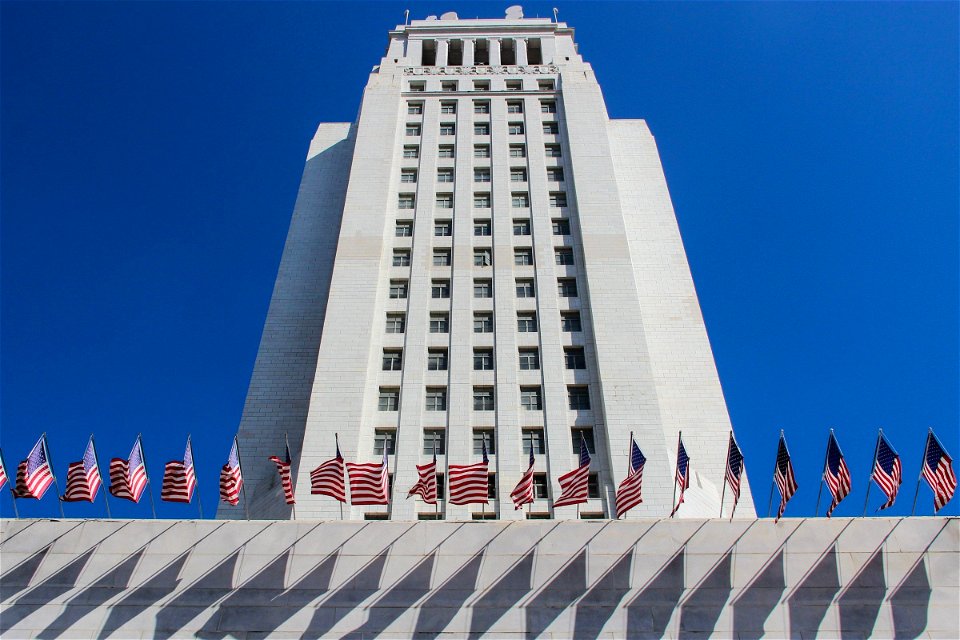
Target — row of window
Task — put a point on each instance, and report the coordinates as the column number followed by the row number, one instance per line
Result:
column 522, row 256
column 419, row 86
column 482, row 174
column 483, row 288
column 482, row 227
column 483, row 360
column 415, row 129
column 531, row 398
column 415, row 108
column 483, row 322
column 434, row 440
column 482, row 151
column 518, row 200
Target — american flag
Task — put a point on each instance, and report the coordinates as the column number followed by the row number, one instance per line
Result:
column 574, row 485
column 628, row 493
column 33, row 475
column 231, row 478
column 938, row 470
column 283, row 468
column 783, row 476
column 734, row 470
column 836, row 474
column 3, row 472
column 523, row 493
column 179, row 478
column 128, row 478
column 683, row 473
column 83, row 477
column 468, row 482
column 369, row 482
column 887, row 472
column 426, row 486
column 327, row 479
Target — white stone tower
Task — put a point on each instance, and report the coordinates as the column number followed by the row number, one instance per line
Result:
column 485, row 256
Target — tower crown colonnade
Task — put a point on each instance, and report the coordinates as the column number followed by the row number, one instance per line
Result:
column 484, row 260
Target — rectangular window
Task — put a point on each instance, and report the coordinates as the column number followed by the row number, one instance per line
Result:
column 525, row 288
column 483, row 437
column 448, row 129
column 514, row 85
column 406, row 201
column 529, row 360
column 515, row 106
column 398, row 289
column 481, row 175
column 523, row 256
column 558, row 199
column 441, row 257
column 482, row 257
column 411, row 151
column 401, row 258
column 436, row 359
column 481, row 227
column 519, row 200
column 593, row 492
column 384, row 439
column 564, row 256
column 413, row 129
column 533, row 439
column 392, row 359
column 439, row 323
column 518, row 174
column 408, row 176
column 521, row 227
column 551, row 128
column 448, row 86
column 414, row 108
column 574, row 358
column 483, row 359
column 555, row 174
column 434, row 442
column 404, row 228
column 389, row 400
column 545, row 85
column 481, row 128
column 540, row 486
column 483, row 322
column 396, row 323
column 527, row 322
column 518, row 151
column 579, row 398
column 443, row 228
column 418, row 86
column 481, row 151
column 445, row 175
column 570, row 322
column 445, row 201
column 481, row 200
column 483, row 399
column 482, row 289
column 552, row 150
column 548, row 106
column 561, row 227
column 440, row 289
column 492, row 486
column 530, row 398
column 515, row 128
column 481, row 106
column 587, row 433
column 567, row 287
column 436, row 399
column 448, row 107
column 481, row 85
column 446, row 151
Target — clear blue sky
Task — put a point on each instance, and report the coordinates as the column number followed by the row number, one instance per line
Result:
column 151, row 154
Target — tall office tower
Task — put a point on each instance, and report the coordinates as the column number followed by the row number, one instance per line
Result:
column 485, row 258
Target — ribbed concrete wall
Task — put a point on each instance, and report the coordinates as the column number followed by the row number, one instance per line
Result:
column 639, row 579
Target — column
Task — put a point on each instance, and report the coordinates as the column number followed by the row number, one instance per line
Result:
column 494, row 51
column 520, row 45
column 443, row 47
column 468, row 47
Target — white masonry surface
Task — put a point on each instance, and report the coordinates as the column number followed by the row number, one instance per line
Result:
column 483, row 162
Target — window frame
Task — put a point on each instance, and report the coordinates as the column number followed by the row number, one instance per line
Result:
column 437, row 359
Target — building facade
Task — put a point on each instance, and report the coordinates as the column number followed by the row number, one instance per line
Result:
column 485, row 259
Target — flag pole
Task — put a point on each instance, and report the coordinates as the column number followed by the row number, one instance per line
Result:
column 772, row 481
column 676, row 467
column 13, row 484
column 243, row 486
column 143, row 456
column 46, row 451
column 743, row 470
column 436, row 501
column 723, row 492
column 923, row 462
column 96, row 459
column 197, row 484
column 629, row 471
column 822, row 471
column 293, row 487
column 873, row 466
column 336, row 440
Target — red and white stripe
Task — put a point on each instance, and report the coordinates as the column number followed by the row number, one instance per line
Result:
column 125, row 483
column 230, row 484
column 369, row 482
column 3, row 475
column 327, row 480
column 179, row 481
column 628, row 493
column 574, row 486
column 942, row 481
column 468, row 483
column 426, row 486
column 283, row 468
column 523, row 493
column 33, row 485
column 82, row 485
